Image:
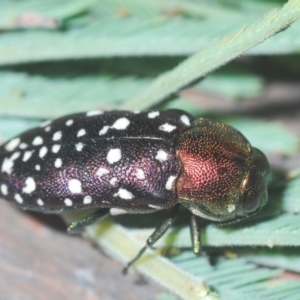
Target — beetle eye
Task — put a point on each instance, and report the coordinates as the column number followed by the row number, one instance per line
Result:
column 251, row 201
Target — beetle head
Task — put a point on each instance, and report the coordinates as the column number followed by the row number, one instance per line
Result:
column 223, row 177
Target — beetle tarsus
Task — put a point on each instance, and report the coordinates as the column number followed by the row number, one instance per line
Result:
column 129, row 264
column 155, row 236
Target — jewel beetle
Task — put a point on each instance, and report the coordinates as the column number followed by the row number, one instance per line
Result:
column 135, row 162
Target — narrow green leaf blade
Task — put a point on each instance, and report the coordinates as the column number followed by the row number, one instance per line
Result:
column 283, row 230
column 237, row 278
column 216, row 55
column 123, row 246
column 43, row 97
column 147, row 30
column 283, row 257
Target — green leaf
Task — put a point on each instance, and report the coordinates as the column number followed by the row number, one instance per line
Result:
column 20, row 93
column 238, row 279
column 232, row 85
column 9, row 127
column 216, row 55
column 291, row 198
column 38, row 96
column 285, row 258
column 282, row 230
column 123, row 246
column 150, row 32
column 59, row 10
column 266, row 136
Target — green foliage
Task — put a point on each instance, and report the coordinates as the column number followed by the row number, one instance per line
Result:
column 290, row 197
column 267, row 136
column 284, row 258
column 40, row 96
column 234, row 85
column 132, row 28
column 60, row 10
column 236, row 278
column 61, row 57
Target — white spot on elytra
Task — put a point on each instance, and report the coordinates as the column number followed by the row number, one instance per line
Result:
column 46, row 123
column 136, row 112
column 58, row 163
column 124, row 194
column 79, row 146
column 8, row 163
column 139, row 173
column 121, row 124
column 75, row 186
column 69, row 122
column 23, row 146
column 37, row 141
column 57, row 136
column 43, row 151
column 18, row 198
column 13, row 144
column 113, row 180
column 113, row 155
column 81, row 132
column 231, row 208
column 94, row 113
column 27, row 155
column 153, row 114
column 167, row 127
column 117, row 211
column 155, row 206
column 68, row 202
column 55, row 148
column 87, row 200
column 103, row 130
column 30, row 185
column 185, row 120
column 38, row 167
column 161, row 155
column 48, row 128
column 40, row 202
column 170, row 182
column 101, row 171
column 15, row 155
column 4, row 189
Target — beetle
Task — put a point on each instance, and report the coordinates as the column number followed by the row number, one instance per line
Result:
column 135, row 162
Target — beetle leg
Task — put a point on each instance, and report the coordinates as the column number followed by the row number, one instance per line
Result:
column 155, row 236
column 195, row 234
column 79, row 225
